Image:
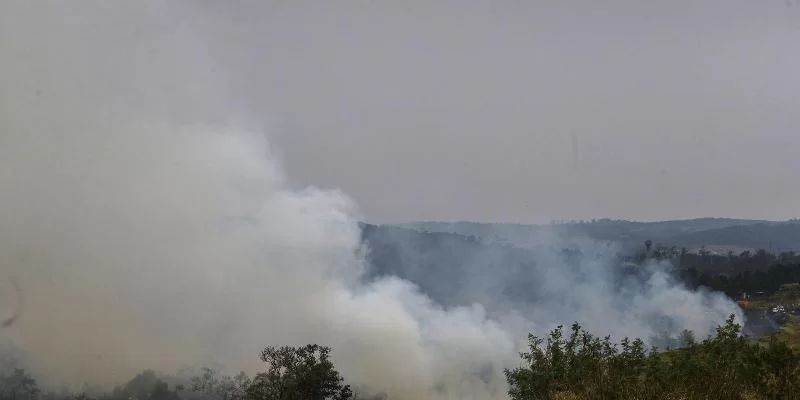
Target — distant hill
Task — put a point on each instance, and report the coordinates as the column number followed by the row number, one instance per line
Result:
column 719, row 234
column 773, row 237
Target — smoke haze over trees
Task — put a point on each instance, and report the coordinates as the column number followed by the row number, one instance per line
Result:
column 174, row 247
column 718, row 234
column 147, row 218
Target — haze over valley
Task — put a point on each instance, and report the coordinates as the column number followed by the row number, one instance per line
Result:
column 190, row 190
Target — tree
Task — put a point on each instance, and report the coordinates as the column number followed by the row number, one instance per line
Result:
column 147, row 386
column 222, row 387
column 293, row 373
column 18, row 386
column 723, row 367
column 299, row 373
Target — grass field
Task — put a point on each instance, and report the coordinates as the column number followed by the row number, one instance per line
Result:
column 790, row 334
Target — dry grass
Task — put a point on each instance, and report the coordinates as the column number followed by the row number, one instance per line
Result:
column 790, row 334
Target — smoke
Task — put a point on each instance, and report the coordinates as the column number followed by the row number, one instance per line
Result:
column 137, row 256
column 142, row 240
column 561, row 280
column 130, row 259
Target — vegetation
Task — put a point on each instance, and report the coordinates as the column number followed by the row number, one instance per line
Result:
column 578, row 365
column 761, row 283
column 293, row 373
column 572, row 365
column 146, row 386
column 789, row 334
column 693, row 234
column 758, row 274
column 18, row 385
column 440, row 259
column 726, row 366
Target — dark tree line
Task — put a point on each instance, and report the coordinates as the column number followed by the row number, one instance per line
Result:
column 758, row 272
column 729, row 263
column 765, row 282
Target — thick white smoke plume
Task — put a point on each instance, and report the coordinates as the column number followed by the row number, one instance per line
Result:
column 144, row 238
column 134, row 255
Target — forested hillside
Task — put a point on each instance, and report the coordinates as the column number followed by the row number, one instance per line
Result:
column 579, row 363
column 720, row 233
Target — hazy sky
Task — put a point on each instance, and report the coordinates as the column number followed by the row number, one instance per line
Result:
column 521, row 111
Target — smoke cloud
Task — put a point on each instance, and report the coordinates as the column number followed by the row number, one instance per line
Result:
column 558, row 280
column 142, row 240
column 136, row 256
column 132, row 257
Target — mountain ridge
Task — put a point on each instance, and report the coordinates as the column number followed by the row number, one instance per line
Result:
column 721, row 234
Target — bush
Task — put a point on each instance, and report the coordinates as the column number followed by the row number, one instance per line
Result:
column 293, row 373
column 583, row 366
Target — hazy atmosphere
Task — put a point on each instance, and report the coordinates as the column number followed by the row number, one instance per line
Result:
column 183, row 183
column 520, row 111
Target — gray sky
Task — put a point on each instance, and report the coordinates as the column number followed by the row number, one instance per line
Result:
column 520, row 111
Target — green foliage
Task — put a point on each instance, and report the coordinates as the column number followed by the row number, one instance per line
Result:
column 769, row 280
column 565, row 366
column 725, row 366
column 293, row 373
column 789, row 334
column 298, row 373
